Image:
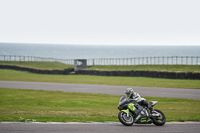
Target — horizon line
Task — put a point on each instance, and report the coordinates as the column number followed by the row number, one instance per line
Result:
column 95, row 44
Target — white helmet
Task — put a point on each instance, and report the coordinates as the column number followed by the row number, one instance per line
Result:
column 129, row 92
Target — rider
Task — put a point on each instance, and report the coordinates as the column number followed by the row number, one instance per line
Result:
column 132, row 95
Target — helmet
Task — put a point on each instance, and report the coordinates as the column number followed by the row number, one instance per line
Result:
column 129, row 92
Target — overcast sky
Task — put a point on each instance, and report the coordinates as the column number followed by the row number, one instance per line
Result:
column 117, row 22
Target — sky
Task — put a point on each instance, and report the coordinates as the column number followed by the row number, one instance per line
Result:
column 101, row 22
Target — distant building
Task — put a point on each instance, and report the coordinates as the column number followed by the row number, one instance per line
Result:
column 80, row 64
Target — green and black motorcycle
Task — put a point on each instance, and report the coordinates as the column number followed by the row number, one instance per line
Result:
column 131, row 112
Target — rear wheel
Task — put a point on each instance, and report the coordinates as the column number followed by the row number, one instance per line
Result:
column 160, row 119
column 127, row 121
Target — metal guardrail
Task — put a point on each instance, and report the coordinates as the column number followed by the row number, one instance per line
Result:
column 169, row 60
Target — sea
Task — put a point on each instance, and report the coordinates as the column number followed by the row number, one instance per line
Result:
column 71, row 51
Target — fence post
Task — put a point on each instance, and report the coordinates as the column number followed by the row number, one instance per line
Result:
column 118, row 61
column 186, row 60
column 191, row 60
column 142, row 60
column 147, row 60
column 105, row 61
column 167, row 60
column 182, row 60
column 163, row 60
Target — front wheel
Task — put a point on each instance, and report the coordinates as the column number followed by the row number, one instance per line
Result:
column 127, row 121
column 159, row 118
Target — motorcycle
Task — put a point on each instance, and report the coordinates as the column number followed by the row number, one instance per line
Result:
column 132, row 112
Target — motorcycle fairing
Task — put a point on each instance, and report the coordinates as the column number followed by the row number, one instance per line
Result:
column 142, row 118
column 153, row 103
column 131, row 106
column 125, row 111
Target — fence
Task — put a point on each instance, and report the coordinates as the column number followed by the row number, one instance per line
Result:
column 34, row 58
column 172, row 60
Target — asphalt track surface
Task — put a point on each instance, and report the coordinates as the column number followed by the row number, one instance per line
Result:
column 99, row 128
column 104, row 89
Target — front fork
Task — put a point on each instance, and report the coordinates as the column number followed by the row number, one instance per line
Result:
column 146, row 112
column 127, row 113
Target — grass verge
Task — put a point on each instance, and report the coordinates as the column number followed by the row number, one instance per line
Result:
column 61, row 66
column 168, row 68
column 57, row 106
column 38, row 65
column 12, row 75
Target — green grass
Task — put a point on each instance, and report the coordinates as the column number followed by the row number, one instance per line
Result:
column 61, row 66
column 168, row 68
column 38, row 65
column 44, row 106
column 12, row 75
column 56, row 106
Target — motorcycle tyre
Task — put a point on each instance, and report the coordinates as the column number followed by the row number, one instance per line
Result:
column 122, row 121
column 155, row 122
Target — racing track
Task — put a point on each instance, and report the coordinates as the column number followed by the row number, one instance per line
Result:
column 104, row 89
column 98, row 128
column 193, row 127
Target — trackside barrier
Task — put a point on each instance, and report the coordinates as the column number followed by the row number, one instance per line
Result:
column 38, row 71
column 151, row 74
